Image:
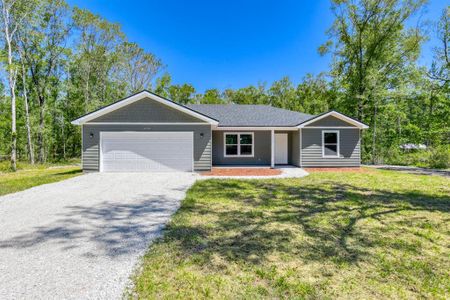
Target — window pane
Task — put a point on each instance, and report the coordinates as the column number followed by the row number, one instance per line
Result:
column 231, row 139
column 246, row 150
column 246, row 139
column 330, row 150
column 232, row 150
column 330, row 137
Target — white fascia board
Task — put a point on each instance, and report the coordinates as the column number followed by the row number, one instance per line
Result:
column 139, row 96
column 336, row 115
column 148, row 123
column 328, row 127
column 254, row 128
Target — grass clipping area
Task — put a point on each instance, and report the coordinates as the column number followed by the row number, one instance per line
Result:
column 33, row 175
column 376, row 235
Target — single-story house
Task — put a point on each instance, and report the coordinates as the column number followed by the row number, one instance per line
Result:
column 148, row 133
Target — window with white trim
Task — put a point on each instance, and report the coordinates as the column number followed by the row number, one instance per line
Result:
column 238, row 144
column 330, row 143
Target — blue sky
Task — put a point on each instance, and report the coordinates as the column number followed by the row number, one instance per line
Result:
column 231, row 44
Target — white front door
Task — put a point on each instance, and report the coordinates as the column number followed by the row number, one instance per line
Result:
column 281, row 148
column 146, row 151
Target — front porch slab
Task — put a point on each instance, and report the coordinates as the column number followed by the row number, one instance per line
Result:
column 254, row 172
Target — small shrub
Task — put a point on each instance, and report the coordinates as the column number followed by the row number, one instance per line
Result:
column 436, row 158
column 439, row 157
column 399, row 157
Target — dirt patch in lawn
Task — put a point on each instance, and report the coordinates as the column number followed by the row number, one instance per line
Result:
column 355, row 170
column 242, row 172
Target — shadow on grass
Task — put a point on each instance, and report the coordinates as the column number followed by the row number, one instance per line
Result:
column 71, row 172
column 251, row 220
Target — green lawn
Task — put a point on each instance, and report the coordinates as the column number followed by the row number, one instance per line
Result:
column 372, row 235
column 28, row 176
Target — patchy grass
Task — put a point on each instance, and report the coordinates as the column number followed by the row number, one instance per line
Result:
column 28, row 176
column 376, row 235
column 5, row 165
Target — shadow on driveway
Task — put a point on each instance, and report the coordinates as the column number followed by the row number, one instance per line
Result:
column 113, row 228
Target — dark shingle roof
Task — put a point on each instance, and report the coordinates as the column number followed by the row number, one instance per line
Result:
column 235, row 115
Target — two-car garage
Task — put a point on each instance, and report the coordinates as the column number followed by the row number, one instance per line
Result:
column 145, row 133
column 126, row 151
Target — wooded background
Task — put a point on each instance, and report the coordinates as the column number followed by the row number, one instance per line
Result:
column 59, row 62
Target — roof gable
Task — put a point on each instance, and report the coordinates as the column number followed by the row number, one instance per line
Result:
column 332, row 119
column 146, row 110
column 137, row 97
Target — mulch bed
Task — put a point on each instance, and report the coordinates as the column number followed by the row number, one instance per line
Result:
column 355, row 170
column 242, row 172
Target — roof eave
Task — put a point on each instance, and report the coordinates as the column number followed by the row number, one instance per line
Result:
column 255, row 127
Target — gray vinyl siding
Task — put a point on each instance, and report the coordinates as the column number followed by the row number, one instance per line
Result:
column 147, row 110
column 311, row 155
column 261, row 144
column 202, row 145
column 330, row 121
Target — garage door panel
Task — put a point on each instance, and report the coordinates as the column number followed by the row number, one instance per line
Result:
column 146, row 151
column 146, row 166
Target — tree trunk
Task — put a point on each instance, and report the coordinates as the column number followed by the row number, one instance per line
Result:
column 86, row 92
column 12, row 84
column 360, row 111
column 430, row 118
column 40, row 139
column 63, row 138
column 13, row 122
column 27, row 118
column 374, row 136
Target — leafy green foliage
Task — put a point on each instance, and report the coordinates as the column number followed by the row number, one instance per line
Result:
column 437, row 157
column 440, row 157
column 136, row 67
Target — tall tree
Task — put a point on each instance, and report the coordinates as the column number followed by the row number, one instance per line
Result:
column 282, row 93
column 13, row 13
column 247, row 95
column 211, row 96
column 27, row 111
column 440, row 68
column 43, row 45
column 314, row 95
column 136, row 67
column 163, row 85
column 437, row 85
column 372, row 48
column 96, row 54
column 181, row 93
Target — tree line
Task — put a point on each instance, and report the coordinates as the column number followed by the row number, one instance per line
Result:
column 60, row 62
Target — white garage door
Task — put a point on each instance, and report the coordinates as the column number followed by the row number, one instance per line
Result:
column 146, row 151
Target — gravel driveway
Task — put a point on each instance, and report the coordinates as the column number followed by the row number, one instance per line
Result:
column 82, row 237
column 413, row 170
